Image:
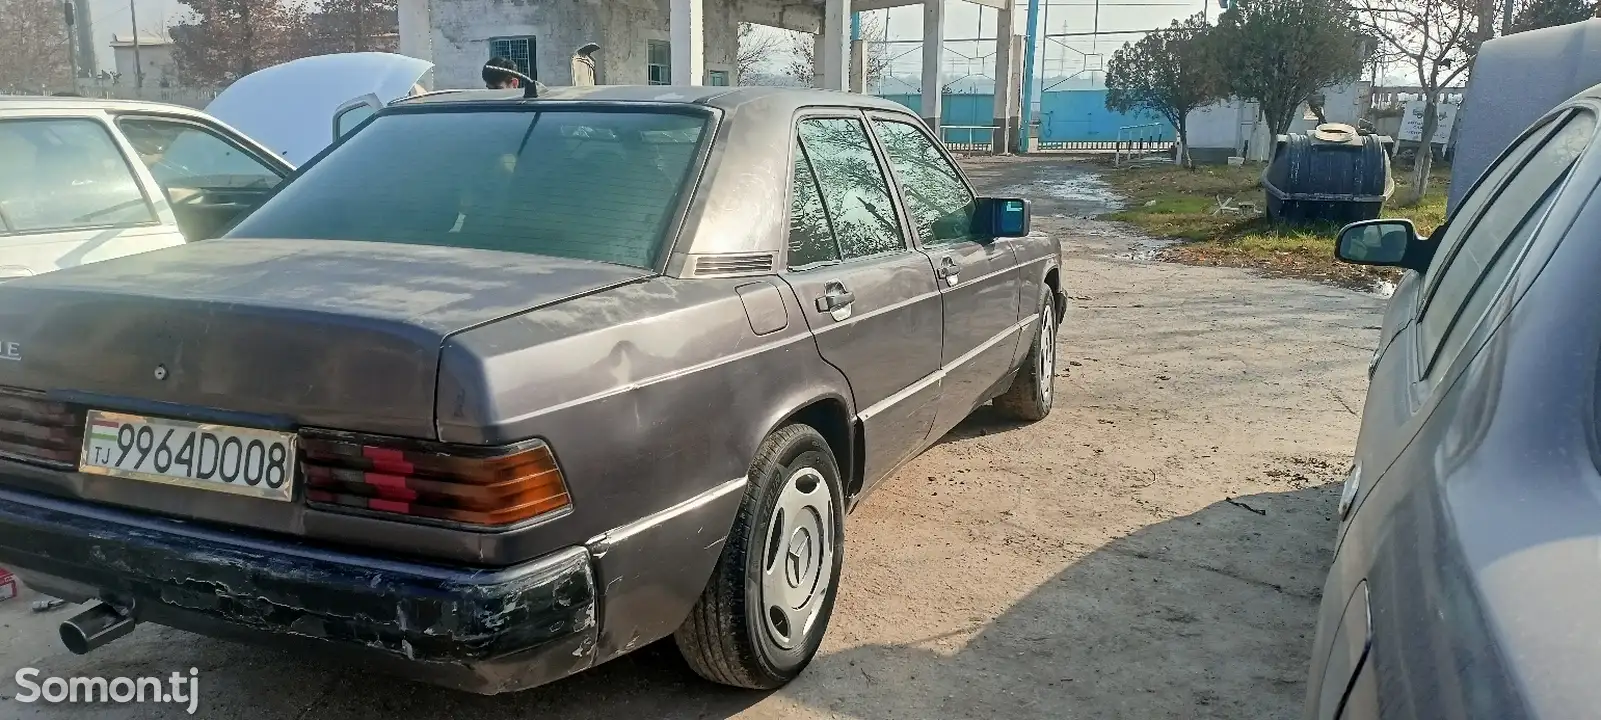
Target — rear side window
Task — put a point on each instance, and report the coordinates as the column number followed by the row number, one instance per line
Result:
column 855, row 193
column 588, row 185
column 811, row 238
column 65, row 174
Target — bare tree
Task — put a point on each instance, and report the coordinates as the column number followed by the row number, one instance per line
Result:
column 352, row 26
column 803, row 56
column 757, row 45
column 224, row 40
column 33, row 46
column 1550, row 13
column 1437, row 39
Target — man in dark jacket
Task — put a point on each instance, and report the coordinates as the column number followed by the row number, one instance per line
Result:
column 496, row 77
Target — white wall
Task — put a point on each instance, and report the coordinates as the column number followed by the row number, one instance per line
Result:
column 455, row 34
column 1225, row 124
column 157, row 61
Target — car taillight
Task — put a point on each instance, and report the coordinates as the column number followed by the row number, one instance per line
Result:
column 476, row 486
column 34, row 429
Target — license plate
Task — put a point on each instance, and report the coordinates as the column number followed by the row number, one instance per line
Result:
column 245, row 461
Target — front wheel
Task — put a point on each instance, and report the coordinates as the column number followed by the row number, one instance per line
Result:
column 1029, row 398
column 762, row 616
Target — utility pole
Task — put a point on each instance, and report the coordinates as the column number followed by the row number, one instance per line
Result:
column 72, row 48
column 138, row 67
column 1508, row 9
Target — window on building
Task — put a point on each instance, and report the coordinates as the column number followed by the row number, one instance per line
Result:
column 519, row 50
column 659, row 63
column 717, row 78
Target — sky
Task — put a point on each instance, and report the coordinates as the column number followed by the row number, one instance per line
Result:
column 1058, row 56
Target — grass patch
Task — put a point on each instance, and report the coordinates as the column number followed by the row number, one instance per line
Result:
column 1172, row 202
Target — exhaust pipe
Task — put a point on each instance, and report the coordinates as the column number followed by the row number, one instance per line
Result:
column 95, row 627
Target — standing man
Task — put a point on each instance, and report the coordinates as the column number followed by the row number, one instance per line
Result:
column 496, row 77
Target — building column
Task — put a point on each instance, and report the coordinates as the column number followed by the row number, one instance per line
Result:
column 817, row 59
column 933, row 62
column 687, row 23
column 858, row 56
column 415, row 25
column 1005, row 78
column 859, row 66
column 1014, row 123
column 833, row 42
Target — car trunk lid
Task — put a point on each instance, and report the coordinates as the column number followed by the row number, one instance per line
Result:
column 273, row 333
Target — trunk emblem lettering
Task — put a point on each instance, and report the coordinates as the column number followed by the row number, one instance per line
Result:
column 161, row 372
column 10, row 351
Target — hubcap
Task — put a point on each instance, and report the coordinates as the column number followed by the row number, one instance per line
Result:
column 1047, row 368
column 799, row 557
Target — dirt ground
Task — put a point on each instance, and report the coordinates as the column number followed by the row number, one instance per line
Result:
column 1153, row 549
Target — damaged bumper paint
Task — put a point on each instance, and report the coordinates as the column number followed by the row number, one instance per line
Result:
column 479, row 630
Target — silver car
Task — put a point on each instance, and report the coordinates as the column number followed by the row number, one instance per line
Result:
column 1467, row 562
column 498, row 388
column 88, row 180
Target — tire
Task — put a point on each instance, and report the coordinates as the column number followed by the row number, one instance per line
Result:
column 787, row 547
column 1030, row 396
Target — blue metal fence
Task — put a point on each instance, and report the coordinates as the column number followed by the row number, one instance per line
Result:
column 1074, row 118
column 1068, row 119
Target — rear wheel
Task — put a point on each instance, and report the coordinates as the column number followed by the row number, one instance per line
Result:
column 1032, row 391
column 762, row 616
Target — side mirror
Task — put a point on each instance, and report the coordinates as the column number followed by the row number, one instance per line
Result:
column 1002, row 217
column 1385, row 243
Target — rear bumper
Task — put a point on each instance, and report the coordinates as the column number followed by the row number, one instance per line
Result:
column 484, row 631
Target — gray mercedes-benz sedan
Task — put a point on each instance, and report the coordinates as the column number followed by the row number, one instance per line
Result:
column 496, row 389
column 1468, row 558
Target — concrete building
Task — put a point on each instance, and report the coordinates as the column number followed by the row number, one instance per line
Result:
column 672, row 42
column 155, row 56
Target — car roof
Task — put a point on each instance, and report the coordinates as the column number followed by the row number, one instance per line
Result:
column 84, row 104
column 727, row 98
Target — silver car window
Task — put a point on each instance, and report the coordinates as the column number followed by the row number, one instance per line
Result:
column 936, row 196
column 854, row 189
column 593, row 185
column 64, row 174
column 184, row 155
column 811, row 236
column 1487, row 253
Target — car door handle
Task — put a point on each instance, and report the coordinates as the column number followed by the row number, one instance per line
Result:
column 834, row 298
column 948, row 271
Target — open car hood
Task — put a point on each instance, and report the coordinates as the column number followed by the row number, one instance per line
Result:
column 289, row 107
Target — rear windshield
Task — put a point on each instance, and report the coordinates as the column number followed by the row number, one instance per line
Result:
column 590, row 185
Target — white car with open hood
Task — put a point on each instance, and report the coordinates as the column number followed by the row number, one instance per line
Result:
column 88, row 180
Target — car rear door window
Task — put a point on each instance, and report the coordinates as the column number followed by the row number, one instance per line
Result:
column 811, row 236
column 853, row 187
column 574, row 183
column 1487, row 254
column 185, row 155
column 938, row 199
column 65, row 174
